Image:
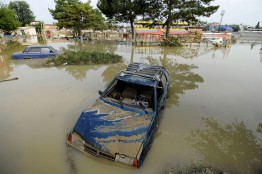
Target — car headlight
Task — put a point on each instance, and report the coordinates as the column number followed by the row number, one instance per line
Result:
column 75, row 140
column 126, row 160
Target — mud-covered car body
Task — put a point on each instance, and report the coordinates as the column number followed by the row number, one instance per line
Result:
column 31, row 52
column 121, row 125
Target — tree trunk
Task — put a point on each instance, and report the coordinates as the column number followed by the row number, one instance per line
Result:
column 169, row 18
column 167, row 27
column 79, row 32
column 132, row 28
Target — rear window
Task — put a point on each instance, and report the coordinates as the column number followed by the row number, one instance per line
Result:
column 45, row 50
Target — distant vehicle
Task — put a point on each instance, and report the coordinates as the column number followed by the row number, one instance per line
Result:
column 31, row 52
column 121, row 125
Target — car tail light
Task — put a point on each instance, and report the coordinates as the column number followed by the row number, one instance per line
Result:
column 75, row 140
column 135, row 163
column 69, row 138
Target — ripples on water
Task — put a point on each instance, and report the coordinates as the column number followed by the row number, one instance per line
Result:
column 211, row 122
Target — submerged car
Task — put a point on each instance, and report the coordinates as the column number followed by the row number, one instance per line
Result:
column 31, row 52
column 121, row 125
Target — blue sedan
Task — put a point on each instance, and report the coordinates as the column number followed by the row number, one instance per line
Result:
column 121, row 125
column 31, row 52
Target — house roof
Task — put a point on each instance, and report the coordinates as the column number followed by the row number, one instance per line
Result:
column 172, row 31
column 148, row 31
column 177, row 31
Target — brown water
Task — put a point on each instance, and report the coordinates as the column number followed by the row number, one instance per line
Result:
column 211, row 117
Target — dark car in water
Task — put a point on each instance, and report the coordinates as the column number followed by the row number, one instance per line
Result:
column 31, row 52
column 121, row 125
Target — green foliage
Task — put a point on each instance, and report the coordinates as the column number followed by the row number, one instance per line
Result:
column 23, row 12
column 169, row 11
column 39, row 27
column 171, row 41
column 8, row 22
column 179, row 10
column 258, row 25
column 76, row 15
column 236, row 28
column 111, row 24
column 85, row 57
column 122, row 10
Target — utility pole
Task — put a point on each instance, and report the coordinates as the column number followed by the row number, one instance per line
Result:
column 222, row 14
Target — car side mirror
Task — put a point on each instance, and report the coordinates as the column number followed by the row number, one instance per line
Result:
column 100, row 92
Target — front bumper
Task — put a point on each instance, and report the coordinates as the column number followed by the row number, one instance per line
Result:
column 75, row 141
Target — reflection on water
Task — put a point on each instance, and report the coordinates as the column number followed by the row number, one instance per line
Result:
column 189, row 52
column 70, row 160
column 5, row 68
column 182, row 78
column 231, row 147
column 5, row 62
column 260, row 52
column 111, row 71
column 79, row 72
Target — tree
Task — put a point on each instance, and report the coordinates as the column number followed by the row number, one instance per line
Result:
column 236, row 28
column 257, row 26
column 76, row 15
column 23, row 12
column 38, row 26
column 179, row 10
column 8, row 22
column 125, row 11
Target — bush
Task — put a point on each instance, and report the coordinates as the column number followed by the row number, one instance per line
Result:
column 171, row 41
column 84, row 57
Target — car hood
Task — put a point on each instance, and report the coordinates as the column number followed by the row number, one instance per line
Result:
column 17, row 53
column 112, row 129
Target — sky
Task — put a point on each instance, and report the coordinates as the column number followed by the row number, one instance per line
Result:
column 247, row 12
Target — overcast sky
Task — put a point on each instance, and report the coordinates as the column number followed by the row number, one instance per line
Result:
column 236, row 11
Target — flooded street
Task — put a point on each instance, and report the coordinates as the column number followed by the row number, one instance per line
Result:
column 213, row 116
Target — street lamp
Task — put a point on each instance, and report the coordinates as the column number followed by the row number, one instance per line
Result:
column 222, row 14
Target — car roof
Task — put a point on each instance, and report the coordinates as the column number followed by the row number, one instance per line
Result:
column 143, row 74
column 37, row 46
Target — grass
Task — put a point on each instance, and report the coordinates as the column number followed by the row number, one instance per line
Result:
column 84, row 58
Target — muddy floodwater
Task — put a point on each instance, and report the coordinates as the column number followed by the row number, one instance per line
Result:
column 212, row 118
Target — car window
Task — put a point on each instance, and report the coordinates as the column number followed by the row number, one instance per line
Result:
column 131, row 94
column 111, row 87
column 52, row 48
column 35, row 50
column 45, row 50
column 26, row 50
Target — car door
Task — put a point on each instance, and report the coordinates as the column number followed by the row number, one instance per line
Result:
column 34, row 52
column 47, row 52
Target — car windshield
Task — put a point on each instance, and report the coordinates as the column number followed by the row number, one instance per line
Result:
column 132, row 95
column 25, row 50
column 52, row 48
